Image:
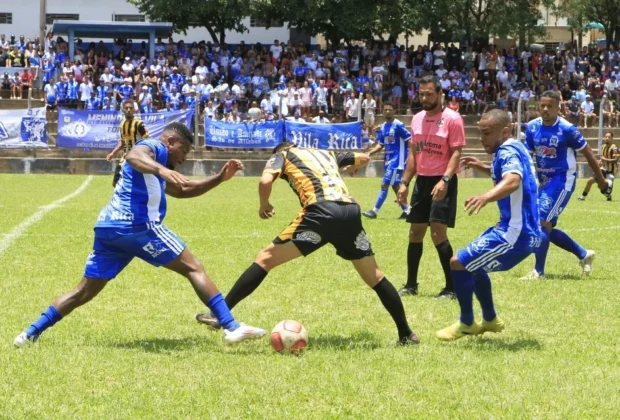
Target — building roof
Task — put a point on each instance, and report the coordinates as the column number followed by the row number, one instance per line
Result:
column 96, row 29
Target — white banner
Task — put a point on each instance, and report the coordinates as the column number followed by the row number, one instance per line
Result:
column 23, row 128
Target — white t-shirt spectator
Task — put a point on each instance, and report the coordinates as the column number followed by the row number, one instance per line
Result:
column 85, row 90
column 445, row 84
column 587, row 107
column 127, row 67
column 351, row 107
column 527, row 95
column 320, row 120
column 440, row 72
column 202, row 72
column 276, row 50
column 610, row 86
column 438, row 56
column 321, row 95
column 369, row 107
column 107, row 78
column 467, row 95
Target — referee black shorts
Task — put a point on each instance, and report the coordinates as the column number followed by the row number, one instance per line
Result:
column 339, row 224
column 117, row 175
column 425, row 210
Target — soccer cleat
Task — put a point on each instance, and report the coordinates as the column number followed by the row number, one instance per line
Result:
column 582, row 198
column 609, row 197
column 446, row 294
column 533, row 275
column 370, row 214
column 586, row 263
column 495, row 326
column 403, row 215
column 408, row 291
column 243, row 333
column 23, row 341
column 209, row 320
column 458, row 330
column 408, row 341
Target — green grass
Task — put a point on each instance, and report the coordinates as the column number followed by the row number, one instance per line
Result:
column 136, row 351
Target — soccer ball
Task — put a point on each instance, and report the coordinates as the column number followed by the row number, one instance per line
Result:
column 289, row 337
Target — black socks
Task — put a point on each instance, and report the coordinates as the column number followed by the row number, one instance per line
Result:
column 247, row 283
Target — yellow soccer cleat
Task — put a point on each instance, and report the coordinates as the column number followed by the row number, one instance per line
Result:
column 495, row 326
column 458, row 330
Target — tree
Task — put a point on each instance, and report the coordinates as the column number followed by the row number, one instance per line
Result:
column 217, row 16
column 582, row 12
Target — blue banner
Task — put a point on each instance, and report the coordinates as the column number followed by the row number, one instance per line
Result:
column 101, row 129
column 325, row 136
column 23, row 128
column 261, row 135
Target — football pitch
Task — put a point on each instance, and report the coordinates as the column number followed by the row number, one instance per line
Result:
column 137, row 352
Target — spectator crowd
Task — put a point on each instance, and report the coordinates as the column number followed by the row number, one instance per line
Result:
column 283, row 80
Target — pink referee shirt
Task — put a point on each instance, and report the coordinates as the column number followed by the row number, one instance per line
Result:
column 433, row 137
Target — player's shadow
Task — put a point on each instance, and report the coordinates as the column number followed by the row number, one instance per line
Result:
column 504, row 344
column 563, row 277
column 357, row 341
column 162, row 345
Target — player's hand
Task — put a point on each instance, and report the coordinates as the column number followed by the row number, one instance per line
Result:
column 230, row 169
column 473, row 205
column 403, row 194
column 266, row 211
column 470, row 162
column 603, row 186
column 173, row 177
column 109, row 157
column 351, row 170
column 439, row 190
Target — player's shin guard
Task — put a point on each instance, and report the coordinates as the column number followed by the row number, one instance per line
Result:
column 414, row 255
column 445, row 252
column 464, row 289
column 246, row 284
column 541, row 253
column 562, row 240
column 47, row 319
column 220, row 310
column 392, row 303
column 482, row 289
column 380, row 199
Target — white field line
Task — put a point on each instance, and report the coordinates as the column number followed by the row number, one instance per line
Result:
column 19, row 230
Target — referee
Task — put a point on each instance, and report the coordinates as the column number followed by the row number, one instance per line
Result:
column 437, row 137
column 132, row 130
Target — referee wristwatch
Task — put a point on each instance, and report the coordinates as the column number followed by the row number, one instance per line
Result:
column 405, row 183
column 445, row 178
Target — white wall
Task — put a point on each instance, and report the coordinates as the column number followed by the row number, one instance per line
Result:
column 26, row 18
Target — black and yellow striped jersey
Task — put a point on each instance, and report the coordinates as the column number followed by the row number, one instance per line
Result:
column 313, row 174
column 132, row 131
column 610, row 151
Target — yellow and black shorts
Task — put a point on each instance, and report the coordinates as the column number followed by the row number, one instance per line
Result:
column 336, row 223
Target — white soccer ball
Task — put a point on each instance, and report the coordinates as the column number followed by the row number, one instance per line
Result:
column 289, row 337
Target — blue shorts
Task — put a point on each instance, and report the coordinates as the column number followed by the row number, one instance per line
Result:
column 392, row 176
column 491, row 252
column 552, row 200
column 114, row 248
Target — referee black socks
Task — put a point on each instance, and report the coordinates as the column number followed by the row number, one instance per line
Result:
column 445, row 252
column 414, row 255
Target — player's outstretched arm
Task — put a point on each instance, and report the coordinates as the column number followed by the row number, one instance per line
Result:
column 142, row 159
column 113, row 153
column 509, row 184
column 475, row 163
column 265, row 186
column 351, row 162
column 598, row 175
column 196, row 188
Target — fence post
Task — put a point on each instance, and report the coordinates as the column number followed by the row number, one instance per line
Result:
column 29, row 98
column 280, row 107
column 600, row 124
column 359, row 109
column 196, row 124
column 519, row 111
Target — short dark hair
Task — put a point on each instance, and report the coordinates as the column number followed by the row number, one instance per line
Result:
column 610, row 134
column 553, row 95
column 182, row 130
column 282, row 146
column 498, row 116
column 129, row 101
column 388, row 103
column 434, row 80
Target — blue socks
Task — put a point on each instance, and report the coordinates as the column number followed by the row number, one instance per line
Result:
column 562, row 240
column 464, row 289
column 47, row 320
column 482, row 289
column 218, row 307
column 541, row 253
column 381, row 199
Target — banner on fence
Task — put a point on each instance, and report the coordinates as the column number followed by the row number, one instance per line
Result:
column 261, row 135
column 265, row 135
column 23, row 128
column 101, row 129
column 325, row 136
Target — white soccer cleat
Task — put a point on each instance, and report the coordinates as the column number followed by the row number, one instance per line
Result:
column 532, row 275
column 22, row 341
column 243, row 333
column 586, row 263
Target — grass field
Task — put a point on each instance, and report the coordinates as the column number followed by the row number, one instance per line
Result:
column 136, row 351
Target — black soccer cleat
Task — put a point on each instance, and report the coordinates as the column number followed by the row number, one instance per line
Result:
column 403, row 216
column 370, row 214
column 408, row 291
column 409, row 340
column 446, row 294
column 209, row 320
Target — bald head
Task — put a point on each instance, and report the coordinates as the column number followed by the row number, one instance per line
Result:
column 497, row 117
column 494, row 129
